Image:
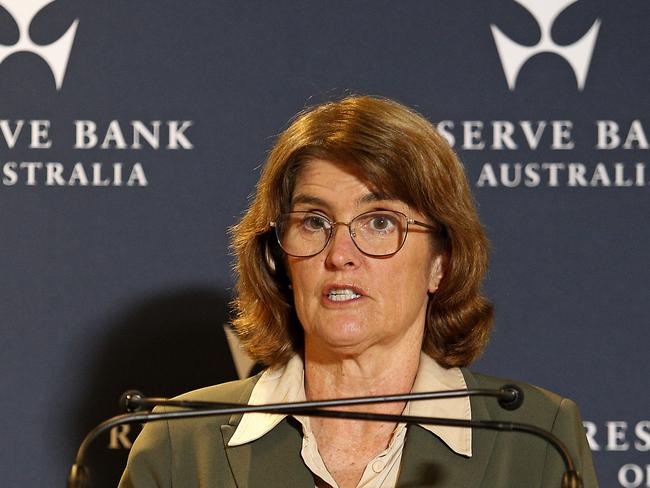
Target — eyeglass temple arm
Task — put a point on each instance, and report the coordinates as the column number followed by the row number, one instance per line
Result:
column 417, row 222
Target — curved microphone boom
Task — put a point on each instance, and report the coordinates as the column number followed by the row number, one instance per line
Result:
column 510, row 397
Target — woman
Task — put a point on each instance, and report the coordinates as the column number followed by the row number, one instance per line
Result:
column 359, row 267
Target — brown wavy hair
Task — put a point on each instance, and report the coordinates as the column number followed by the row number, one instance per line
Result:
column 399, row 153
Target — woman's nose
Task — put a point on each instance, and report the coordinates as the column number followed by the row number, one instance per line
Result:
column 341, row 250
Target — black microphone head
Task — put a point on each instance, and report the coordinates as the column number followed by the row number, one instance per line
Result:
column 127, row 401
column 511, row 397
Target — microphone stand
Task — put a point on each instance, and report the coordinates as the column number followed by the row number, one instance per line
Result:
column 510, row 397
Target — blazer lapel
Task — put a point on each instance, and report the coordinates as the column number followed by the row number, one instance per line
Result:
column 272, row 461
column 429, row 462
column 482, row 439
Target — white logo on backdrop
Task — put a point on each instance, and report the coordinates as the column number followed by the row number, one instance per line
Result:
column 514, row 56
column 55, row 55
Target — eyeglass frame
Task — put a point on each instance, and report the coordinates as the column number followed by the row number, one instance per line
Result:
column 409, row 221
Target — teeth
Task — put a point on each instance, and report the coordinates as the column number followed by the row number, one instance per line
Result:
column 342, row 295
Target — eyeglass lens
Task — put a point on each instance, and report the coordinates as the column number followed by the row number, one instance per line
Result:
column 376, row 233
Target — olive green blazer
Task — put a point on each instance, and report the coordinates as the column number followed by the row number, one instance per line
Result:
column 193, row 453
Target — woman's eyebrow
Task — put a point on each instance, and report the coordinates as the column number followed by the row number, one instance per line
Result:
column 375, row 197
column 319, row 202
column 309, row 200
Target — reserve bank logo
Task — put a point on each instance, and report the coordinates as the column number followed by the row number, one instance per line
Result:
column 55, row 54
column 514, row 55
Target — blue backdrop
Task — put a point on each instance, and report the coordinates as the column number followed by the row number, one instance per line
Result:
column 131, row 134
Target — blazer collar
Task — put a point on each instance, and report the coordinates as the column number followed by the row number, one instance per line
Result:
column 286, row 384
column 426, row 460
column 277, row 453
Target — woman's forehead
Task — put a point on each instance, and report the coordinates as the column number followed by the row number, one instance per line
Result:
column 319, row 181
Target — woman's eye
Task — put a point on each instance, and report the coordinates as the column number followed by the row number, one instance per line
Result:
column 383, row 223
column 314, row 222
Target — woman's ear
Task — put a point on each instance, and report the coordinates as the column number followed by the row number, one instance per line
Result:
column 437, row 271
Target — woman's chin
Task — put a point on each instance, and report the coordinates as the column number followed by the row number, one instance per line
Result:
column 346, row 339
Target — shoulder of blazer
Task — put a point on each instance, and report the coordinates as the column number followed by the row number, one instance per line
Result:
column 232, row 392
column 540, row 406
column 276, row 455
column 548, row 411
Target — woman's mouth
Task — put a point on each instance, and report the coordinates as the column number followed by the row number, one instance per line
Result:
column 342, row 294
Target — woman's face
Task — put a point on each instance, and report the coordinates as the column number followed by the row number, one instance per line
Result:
column 347, row 302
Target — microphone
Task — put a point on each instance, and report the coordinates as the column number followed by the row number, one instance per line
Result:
column 510, row 395
column 129, row 401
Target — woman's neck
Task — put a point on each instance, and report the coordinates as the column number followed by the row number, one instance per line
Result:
column 375, row 372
